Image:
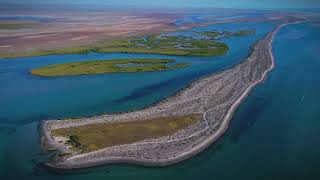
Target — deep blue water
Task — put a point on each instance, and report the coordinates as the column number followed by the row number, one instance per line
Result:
column 273, row 135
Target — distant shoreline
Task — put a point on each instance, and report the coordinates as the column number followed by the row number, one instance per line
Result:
column 216, row 112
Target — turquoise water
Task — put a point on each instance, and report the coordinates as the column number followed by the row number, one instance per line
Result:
column 38, row 98
column 274, row 133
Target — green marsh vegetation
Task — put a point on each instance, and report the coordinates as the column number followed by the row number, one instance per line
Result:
column 202, row 44
column 107, row 66
column 13, row 26
column 226, row 34
column 98, row 136
column 169, row 45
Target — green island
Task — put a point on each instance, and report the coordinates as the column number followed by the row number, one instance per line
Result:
column 98, row 136
column 201, row 44
column 107, row 66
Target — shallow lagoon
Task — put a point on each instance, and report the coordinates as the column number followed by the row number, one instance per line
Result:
column 42, row 98
column 264, row 140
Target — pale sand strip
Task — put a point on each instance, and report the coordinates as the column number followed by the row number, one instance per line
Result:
column 5, row 46
column 78, row 38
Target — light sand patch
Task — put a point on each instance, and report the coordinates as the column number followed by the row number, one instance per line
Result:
column 78, row 38
column 38, row 36
column 6, row 46
column 119, row 33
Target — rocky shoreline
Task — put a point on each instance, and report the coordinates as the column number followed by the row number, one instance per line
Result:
column 215, row 98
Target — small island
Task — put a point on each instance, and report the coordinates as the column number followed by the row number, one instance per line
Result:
column 107, row 66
